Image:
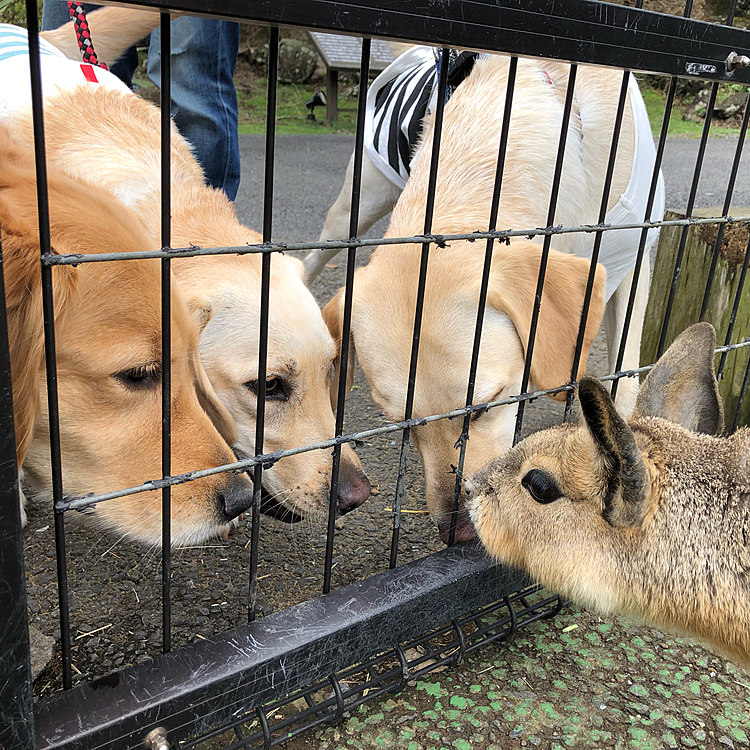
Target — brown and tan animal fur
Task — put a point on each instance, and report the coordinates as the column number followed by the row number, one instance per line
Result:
column 649, row 518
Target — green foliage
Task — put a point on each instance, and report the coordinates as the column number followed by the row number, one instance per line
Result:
column 291, row 113
column 14, row 11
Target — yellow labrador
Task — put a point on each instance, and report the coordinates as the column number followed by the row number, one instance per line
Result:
column 385, row 290
column 108, row 346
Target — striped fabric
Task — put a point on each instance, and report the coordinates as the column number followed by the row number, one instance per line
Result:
column 397, row 101
column 14, row 42
column 58, row 72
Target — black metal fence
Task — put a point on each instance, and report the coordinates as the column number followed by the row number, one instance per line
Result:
column 357, row 647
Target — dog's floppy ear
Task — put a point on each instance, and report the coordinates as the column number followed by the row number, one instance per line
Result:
column 512, row 289
column 625, row 471
column 682, row 387
column 201, row 311
column 23, row 299
column 211, row 403
column 333, row 315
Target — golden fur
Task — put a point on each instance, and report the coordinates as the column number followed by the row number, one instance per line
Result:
column 124, row 159
column 108, row 349
column 385, row 290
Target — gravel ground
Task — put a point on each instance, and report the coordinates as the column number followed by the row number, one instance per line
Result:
column 602, row 684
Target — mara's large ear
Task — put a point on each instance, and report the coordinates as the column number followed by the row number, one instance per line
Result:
column 513, row 287
column 682, row 387
column 624, row 502
column 113, row 29
column 333, row 315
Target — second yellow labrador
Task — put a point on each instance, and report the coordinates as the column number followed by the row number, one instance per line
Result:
column 385, row 289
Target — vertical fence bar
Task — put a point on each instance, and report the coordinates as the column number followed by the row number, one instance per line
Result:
column 429, row 209
column 265, row 287
column 735, row 308
column 166, row 330
column 545, row 248
column 688, row 214
column 351, row 257
column 16, row 702
column 691, row 200
column 647, row 214
column 49, row 341
column 599, row 236
column 644, row 232
column 494, row 207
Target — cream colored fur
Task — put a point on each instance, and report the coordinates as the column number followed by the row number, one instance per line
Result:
column 122, row 156
column 385, row 290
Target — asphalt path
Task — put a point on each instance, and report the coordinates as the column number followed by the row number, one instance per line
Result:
column 310, row 170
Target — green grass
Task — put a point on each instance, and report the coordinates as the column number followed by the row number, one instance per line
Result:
column 291, row 113
column 655, row 101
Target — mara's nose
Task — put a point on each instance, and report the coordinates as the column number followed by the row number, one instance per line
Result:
column 236, row 496
column 354, row 487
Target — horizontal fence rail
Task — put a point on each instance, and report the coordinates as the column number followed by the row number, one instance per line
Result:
column 200, row 686
column 74, row 259
column 580, row 31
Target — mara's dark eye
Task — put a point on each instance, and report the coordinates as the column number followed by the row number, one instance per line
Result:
column 276, row 389
column 541, row 486
column 141, row 377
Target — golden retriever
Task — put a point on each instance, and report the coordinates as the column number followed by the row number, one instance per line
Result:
column 121, row 155
column 108, row 349
column 385, row 290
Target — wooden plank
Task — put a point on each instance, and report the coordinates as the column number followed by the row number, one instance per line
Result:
column 689, row 296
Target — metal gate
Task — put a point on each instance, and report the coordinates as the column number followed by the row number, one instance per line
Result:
column 350, row 644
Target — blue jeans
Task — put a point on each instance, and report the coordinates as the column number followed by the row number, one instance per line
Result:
column 204, row 100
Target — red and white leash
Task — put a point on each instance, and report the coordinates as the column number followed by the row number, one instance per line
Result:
column 83, row 35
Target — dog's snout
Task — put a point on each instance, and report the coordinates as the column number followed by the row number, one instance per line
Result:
column 354, row 487
column 464, row 532
column 236, row 496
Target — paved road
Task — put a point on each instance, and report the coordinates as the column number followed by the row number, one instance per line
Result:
column 310, row 169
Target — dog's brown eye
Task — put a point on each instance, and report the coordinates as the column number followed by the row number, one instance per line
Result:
column 144, row 376
column 276, row 389
column 541, row 486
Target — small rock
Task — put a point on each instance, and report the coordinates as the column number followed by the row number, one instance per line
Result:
column 41, row 650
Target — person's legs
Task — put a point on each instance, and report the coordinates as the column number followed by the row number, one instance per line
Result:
column 55, row 13
column 204, row 100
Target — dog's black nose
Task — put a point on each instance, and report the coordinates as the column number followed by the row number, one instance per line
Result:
column 236, row 497
column 354, row 487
